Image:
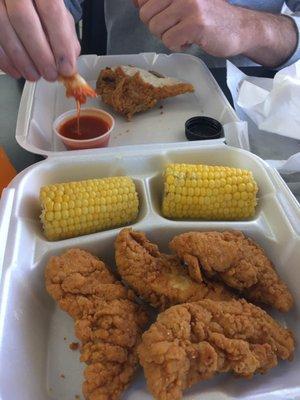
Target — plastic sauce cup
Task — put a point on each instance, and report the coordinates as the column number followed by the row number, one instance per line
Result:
column 80, row 144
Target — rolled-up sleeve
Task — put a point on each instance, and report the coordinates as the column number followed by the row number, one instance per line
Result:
column 74, row 6
column 294, row 6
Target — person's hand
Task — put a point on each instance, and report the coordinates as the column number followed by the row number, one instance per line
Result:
column 37, row 39
column 214, row 25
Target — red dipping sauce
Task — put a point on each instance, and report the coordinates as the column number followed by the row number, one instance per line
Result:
column 90, row 127
column 95, row 126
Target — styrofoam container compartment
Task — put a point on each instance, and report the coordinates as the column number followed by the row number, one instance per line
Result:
column 43, row 102
column 33, row 352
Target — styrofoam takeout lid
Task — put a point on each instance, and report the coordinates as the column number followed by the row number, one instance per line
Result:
column 42, row 102
column 33, row 351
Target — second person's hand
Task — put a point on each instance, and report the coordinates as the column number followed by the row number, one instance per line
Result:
column 37, row 38
column 214, row 25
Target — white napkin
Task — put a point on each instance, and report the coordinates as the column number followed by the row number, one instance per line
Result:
column 277, row 108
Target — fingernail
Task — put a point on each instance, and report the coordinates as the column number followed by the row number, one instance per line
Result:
column 65, row 67
column 31, row 74
column 50, row 74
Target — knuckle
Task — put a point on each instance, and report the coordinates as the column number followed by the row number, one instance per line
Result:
column 143, row 15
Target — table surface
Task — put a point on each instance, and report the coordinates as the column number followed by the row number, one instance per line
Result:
column 271, row 147
column 10, row 96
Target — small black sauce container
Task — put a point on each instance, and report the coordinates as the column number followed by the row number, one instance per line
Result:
column 203, row 128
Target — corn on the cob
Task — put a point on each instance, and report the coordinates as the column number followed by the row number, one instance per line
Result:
column 208, row 192
column 79, row 208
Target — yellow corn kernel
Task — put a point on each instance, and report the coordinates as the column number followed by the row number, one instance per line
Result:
column 79, row 208
column 208, row 192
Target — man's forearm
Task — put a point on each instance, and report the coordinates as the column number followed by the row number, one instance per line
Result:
column 267, row 39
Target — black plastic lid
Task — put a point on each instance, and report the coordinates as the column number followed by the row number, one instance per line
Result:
column 203, row 128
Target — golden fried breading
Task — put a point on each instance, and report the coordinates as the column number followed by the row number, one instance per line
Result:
column 192, row 342
column 130, row 90
column 107, row 320
column 237, row 261
column 158, row 278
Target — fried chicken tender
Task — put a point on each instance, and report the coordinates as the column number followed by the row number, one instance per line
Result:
column 237, row 261
column 158, row 278
column 192, row 342
column 107, row 320
column 130, row 90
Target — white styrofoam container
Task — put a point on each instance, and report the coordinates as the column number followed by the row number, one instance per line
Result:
column 42, row 102
column 33, row 352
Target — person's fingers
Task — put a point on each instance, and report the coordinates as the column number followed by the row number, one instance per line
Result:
column 26, row 23
column 14, row 49
column 165, row 20
column 25, row 42
column 136, row 3
column 60, row 28
column 180, row 35
column 7, row 66
column 152, row 8
column 140, row 3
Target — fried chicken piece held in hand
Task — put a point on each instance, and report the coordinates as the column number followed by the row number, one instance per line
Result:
column 192, row 342
column 108, row 322
column 236, row 260
column 158, row 278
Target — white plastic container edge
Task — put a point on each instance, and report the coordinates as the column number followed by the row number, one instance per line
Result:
column 234, row 129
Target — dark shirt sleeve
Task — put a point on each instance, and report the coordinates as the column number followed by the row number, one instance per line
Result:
column 74, row 6
column 293, row 5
